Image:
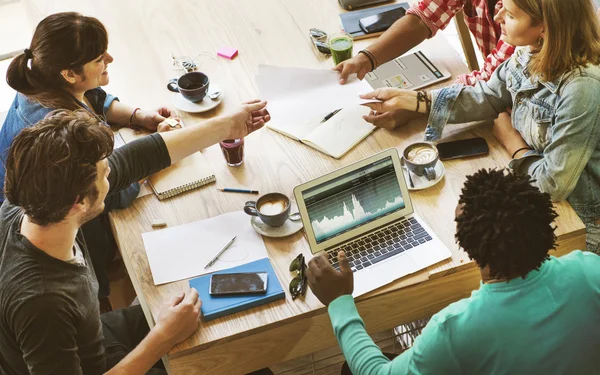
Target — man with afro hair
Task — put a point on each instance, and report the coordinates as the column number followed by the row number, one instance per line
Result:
column 532, row 314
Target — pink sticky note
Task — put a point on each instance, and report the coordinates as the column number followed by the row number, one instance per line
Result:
column 227, row 52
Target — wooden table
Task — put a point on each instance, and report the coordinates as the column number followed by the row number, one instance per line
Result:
column 142, row 34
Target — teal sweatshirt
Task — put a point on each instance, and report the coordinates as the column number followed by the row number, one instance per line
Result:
column 546, row 323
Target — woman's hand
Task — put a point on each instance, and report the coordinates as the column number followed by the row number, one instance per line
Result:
column 393, row 119
column 391, row 99
column 507, row 135
column 250, row 117
column 152, row 118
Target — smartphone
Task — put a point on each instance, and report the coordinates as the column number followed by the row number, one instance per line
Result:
column 238, row 283
column 381, row 21
column 462, row 148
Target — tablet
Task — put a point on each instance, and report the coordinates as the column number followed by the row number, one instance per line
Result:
column 411, row 71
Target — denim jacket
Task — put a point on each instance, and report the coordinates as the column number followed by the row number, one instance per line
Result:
column 559, row 120
column 25, row 112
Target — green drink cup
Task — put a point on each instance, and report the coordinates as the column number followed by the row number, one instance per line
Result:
column 340, row 45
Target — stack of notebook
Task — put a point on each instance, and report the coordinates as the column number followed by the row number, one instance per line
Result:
column 350, row 20
column 214, row 307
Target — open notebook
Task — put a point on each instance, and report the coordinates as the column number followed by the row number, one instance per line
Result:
column 187, row 174
column 300, row 98
column 334, row 137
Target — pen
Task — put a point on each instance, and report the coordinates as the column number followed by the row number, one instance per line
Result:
column 220, row 252
column 330, row 115
column 231, row 190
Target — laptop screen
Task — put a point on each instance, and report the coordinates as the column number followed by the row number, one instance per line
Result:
column 354, row 199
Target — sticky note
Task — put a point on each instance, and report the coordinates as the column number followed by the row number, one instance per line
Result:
column 227, row 52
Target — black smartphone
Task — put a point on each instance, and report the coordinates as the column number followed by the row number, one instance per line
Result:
column 238, row 283
column 462, row 148
column 382, row 21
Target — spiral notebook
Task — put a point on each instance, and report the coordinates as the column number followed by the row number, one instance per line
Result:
column 187, row 174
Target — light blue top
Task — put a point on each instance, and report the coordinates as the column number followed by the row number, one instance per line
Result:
column 560, row 120
column 547, row 323
column 25, row 112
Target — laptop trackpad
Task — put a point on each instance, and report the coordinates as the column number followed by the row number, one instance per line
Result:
column 398, row 266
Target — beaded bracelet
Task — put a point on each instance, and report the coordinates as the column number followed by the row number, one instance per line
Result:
column 370, row 59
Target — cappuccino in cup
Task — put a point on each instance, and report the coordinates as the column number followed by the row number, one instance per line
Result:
column 273, row 209
column 420, row 158
column 421, row 155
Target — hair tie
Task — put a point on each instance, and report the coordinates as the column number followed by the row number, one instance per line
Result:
column 28, row 53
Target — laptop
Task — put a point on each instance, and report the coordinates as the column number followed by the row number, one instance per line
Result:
column 365, row 210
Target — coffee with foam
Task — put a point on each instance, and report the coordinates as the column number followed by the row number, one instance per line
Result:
column 421, row 154
column 273, row 207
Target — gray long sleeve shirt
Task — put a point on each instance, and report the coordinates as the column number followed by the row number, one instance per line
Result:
column 49, row 313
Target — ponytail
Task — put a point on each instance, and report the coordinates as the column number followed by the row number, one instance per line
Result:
column 17, row 75
column 61, row 41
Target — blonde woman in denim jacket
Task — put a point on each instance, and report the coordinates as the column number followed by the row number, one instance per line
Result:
column 552, row 85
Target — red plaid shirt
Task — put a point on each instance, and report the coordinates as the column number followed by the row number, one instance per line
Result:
column 437, row 14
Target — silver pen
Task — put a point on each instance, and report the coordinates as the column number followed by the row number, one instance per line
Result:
column 220, row 252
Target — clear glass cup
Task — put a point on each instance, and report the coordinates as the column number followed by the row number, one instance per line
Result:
column 340, row 45
column 233, row 151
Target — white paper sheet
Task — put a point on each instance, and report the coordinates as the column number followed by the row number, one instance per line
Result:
column 297, row 96
column 181, row 252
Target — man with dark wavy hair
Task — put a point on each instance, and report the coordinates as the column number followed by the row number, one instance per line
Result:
column 532, row 314
column 58, row 174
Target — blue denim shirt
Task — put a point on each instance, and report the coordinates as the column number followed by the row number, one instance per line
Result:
column 559, row 120
column 25, row 112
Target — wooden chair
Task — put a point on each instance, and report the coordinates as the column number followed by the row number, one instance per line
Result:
column 465, row 39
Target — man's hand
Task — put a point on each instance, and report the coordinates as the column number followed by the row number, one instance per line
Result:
column 393, row 119
column 151, row 119
column 327, row 283
column 507, row 135
column 178, row 318
column 250, row 117
column 359, row 64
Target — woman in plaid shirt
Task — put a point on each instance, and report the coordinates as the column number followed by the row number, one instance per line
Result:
column 426, row 18
column 423, row 21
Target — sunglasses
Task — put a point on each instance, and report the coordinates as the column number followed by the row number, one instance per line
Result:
column 298, row 283
column 319, row 39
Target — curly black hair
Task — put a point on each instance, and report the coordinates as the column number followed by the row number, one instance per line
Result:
column 506, row 223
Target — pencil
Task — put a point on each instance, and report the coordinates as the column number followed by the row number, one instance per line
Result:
column 220, row 252
column 231, row 190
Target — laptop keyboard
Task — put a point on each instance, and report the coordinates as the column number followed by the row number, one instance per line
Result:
column 381, row 245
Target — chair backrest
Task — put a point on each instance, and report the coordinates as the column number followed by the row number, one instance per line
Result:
column 465, row 40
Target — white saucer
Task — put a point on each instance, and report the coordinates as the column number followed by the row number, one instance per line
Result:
column 421, row 182
column 287, row 229
column 205, row 105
